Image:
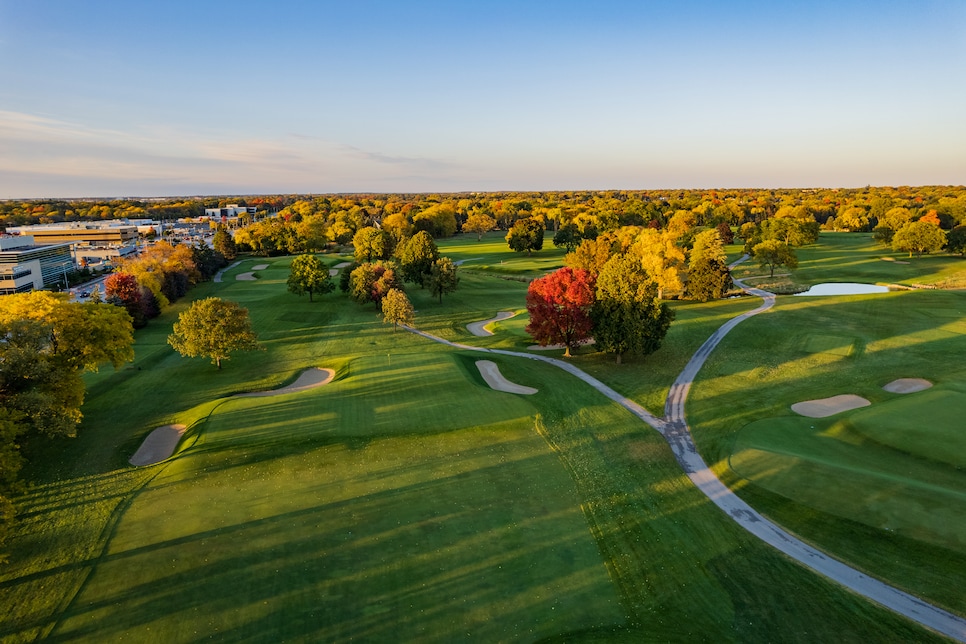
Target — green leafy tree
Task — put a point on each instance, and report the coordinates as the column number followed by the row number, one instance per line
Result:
column 627, row 315
column 417, row 257
column 47, row 342
column 370, row 244
column 919, row 237
column 439, row 220
column 213, row 328
column 442, row 278
column 479, row 223
column 794, row 232
column 83, row 335
column 568, row 237
column 397, row 309
column 526, row 235
column 956, row 240
column 708, row 274
column 224, row 243
column 772, row 253
column 883, row 235
column 309, row 275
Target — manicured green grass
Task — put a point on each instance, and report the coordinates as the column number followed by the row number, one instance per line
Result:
column 928, row 425
column 856, row 257
column 492, row 255
column 876, row 503
column 404, row 501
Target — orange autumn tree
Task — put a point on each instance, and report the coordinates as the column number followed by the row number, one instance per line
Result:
column 559, row 305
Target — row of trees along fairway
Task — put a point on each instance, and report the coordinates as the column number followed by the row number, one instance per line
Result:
column 47, row 343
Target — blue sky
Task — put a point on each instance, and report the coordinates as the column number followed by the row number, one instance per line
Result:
column 102, row 98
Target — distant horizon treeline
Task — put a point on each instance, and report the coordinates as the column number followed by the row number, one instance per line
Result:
column 855, row 209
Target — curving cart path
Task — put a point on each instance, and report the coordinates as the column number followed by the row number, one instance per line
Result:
column 674, row 428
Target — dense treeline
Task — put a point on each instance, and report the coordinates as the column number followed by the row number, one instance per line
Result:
column 858, row 209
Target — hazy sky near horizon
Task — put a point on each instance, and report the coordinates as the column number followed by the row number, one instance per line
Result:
column 120, row 98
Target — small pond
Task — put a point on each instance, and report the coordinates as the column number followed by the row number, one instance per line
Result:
column 844, row 288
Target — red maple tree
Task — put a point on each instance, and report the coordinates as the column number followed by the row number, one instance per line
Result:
column 559, row 306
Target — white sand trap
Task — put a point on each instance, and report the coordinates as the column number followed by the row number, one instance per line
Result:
column 260, row 267
column 491, row 374
column 476, row 328
column 333, row 272
column 308, row 379
column 342, row 264
column 158, row 446
column 161, row 442
column 245, row 277
column 829, row 406
column 907, row 385
column 892, row 259
column 551, row 347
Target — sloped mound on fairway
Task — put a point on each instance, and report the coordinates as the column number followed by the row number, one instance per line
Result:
column 928, row 425
column 831, row 467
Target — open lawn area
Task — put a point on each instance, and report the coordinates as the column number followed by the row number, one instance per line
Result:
column 854, row 257
column 408, row 501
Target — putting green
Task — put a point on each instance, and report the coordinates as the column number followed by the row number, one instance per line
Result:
column 927, row 424
column 829, row 466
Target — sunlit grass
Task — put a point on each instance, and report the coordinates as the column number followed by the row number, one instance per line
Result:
column 405, row 500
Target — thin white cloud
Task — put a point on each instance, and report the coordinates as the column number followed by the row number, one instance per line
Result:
column 36, row 147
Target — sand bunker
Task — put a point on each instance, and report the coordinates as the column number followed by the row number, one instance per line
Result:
column 246, row 277
column 491, row 374
column 159, row 445
column 907, row 385
column 162, row 441
column 260, row 267
column 308, row 379
column 335, row 269
column 829, row 406
column 892, row 259
column 476, row 328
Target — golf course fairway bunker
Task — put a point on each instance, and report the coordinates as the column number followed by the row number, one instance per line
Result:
column 162, row 441
column 907, row 385
column 491, row 374
column 158, row 445
column 829, row 406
